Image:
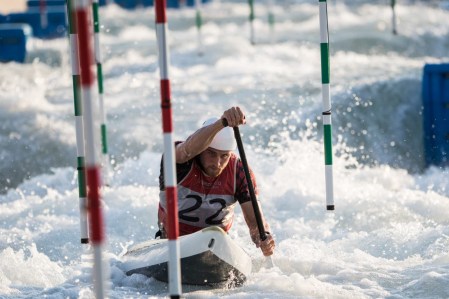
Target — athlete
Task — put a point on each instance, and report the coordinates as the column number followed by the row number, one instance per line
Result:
column 211, row 180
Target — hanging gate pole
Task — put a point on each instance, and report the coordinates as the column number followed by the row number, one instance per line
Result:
column 327, row 124
column 90, row 133
column 271, row 20
column 98, row 60
column 174, row 267
column 251, row 21
column 199, row 24
column 393, row 4
column 79, row 123
column 43, row 13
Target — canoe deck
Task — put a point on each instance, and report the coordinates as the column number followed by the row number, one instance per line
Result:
column 208, row 257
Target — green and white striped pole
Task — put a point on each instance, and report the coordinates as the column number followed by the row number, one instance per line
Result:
column 199, row 24
column 79, row 123
column 325, row 80
column 394, row 23
column 251, row 21
column 98, row 60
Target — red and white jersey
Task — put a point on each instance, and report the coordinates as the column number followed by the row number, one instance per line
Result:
column 204, row 201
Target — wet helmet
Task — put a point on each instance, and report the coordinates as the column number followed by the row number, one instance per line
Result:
column 224, row 140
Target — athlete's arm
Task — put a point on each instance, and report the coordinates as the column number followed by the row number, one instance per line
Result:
column 267, row 246
column 202, row 138
column 197, row 142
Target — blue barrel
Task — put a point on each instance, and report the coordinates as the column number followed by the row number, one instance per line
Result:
column 435, row 98
column 177, row 3
column 13, row 42
column 56, row 21
column 132, row 4
column 192, row 2
column 37, row 3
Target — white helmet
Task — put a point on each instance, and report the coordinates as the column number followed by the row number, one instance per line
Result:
column 224, row 140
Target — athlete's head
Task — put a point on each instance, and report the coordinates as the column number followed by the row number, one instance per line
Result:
column 216, row 157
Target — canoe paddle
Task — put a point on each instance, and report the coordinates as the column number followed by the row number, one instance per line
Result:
column 238, row 138
column 257, row 214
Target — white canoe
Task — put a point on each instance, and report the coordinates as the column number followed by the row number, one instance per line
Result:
column 208, row 257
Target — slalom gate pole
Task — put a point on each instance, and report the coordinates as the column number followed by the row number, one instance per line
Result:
column 251, row 21
column 257, row 214
column 174, row 267
column 271, row 20
column 79, row 123
column 43, row 13
column 394, row 23
column 327, row 124
column 90, row 132
column 199, row 24
column 98, row 60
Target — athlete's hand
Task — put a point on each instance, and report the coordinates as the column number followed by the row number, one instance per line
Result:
column 267, row 246
column 234, row 116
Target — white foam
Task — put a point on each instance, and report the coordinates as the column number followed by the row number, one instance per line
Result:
column 388, row 234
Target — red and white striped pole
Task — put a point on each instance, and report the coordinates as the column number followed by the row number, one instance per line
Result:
column 43, row 13
column 174, row 267
column 86, row 55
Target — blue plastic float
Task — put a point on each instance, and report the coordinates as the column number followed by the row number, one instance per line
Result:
column 435, row 98
column 13, row 42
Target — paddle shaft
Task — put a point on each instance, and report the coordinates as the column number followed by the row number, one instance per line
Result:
column 238, row 138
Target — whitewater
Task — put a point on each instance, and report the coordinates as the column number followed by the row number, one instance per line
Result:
column 389, row 234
